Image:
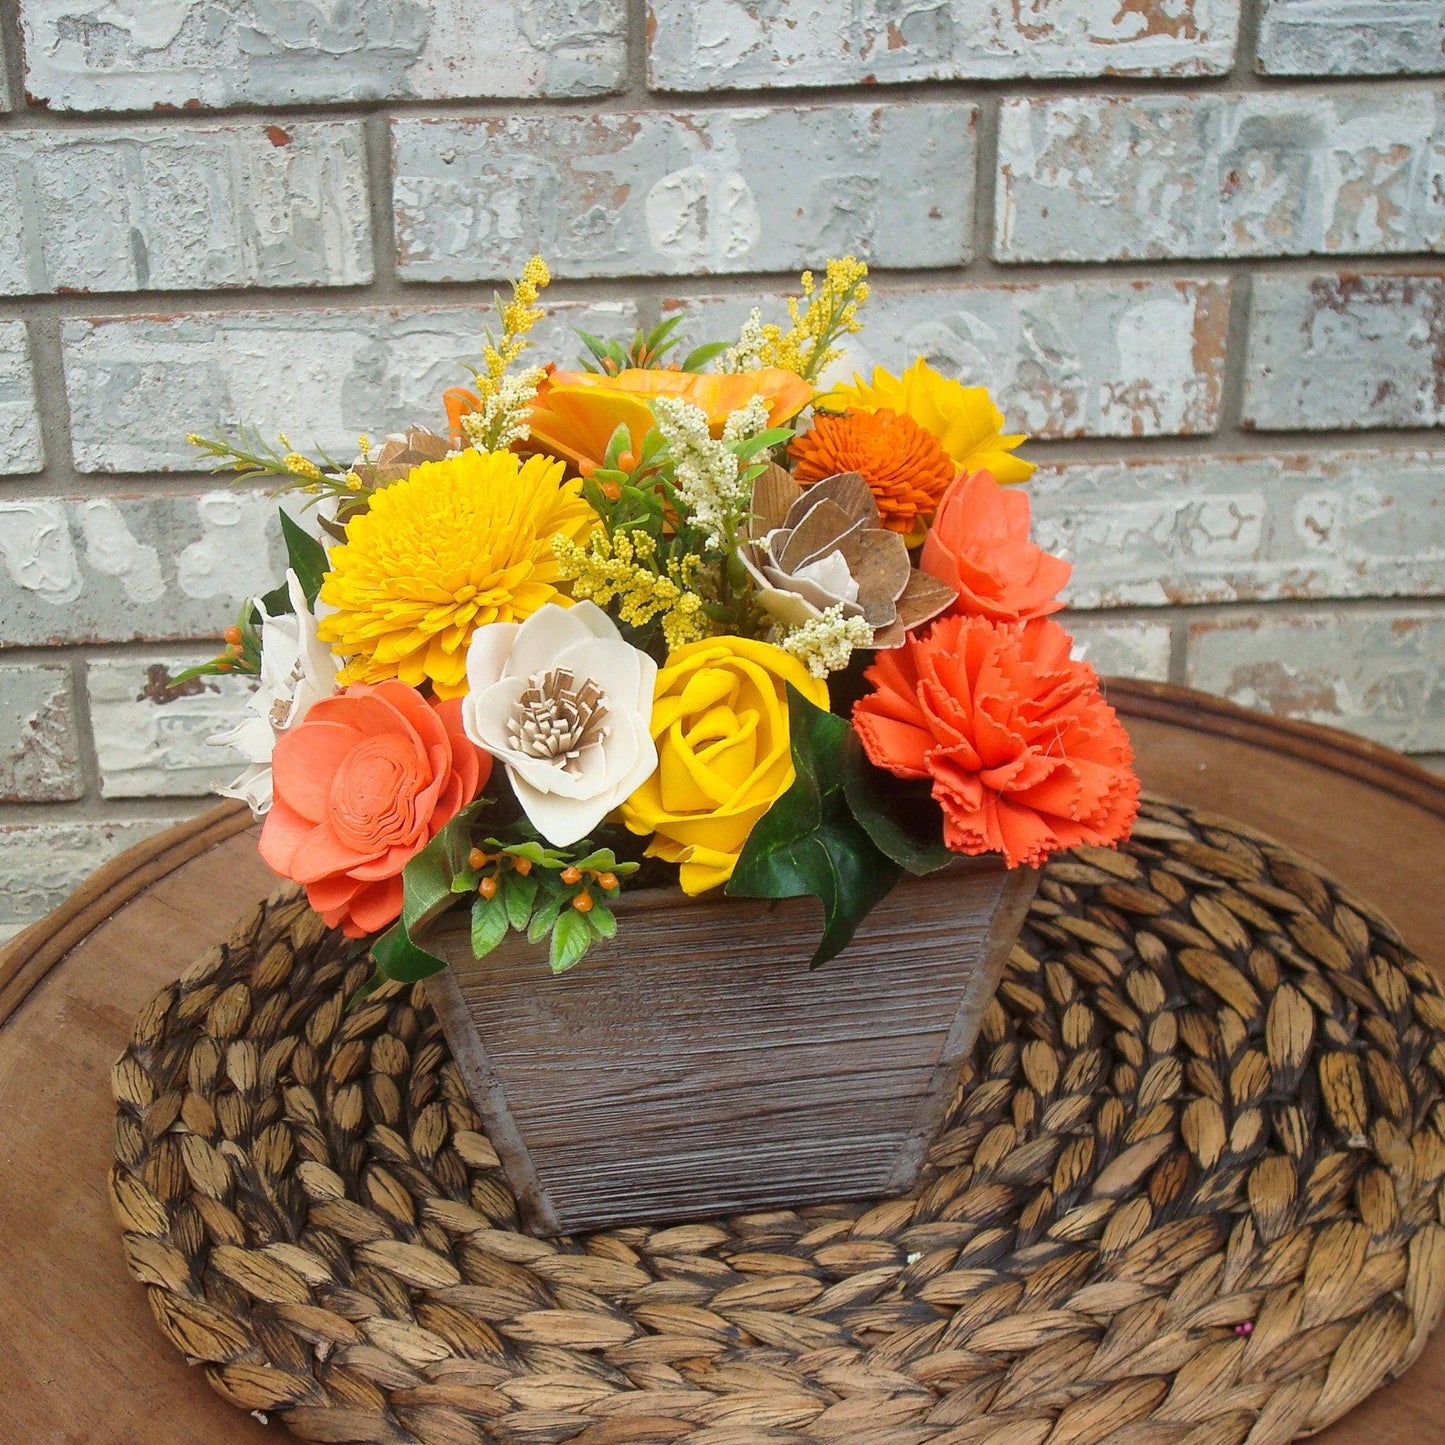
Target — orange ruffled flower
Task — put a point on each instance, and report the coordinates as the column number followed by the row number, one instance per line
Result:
column 362, row 784
column 979, row 545
column 1024, row 754
column 576, row 412
column 905, row 467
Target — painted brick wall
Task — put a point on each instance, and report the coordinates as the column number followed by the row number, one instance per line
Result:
column 1193, row 245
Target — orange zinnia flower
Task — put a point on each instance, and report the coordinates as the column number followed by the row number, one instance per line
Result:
column 904, row 466
column 1024, row 754
column 979, row 545
column 362, row 784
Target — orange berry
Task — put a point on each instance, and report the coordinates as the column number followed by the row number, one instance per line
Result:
column 522, row 865
column 607, row 881
column 572, row 874
column 476, row 858
column 487, row 887
column 233, row 635
column 583, row 903
column 223, row 665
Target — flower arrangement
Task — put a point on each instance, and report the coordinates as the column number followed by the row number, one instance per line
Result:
column 706, row 619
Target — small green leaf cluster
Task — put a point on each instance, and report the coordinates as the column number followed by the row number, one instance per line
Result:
column 838, row 833
column 646, row 351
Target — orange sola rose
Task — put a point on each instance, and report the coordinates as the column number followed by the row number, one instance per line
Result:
column 576, row 412
column 1024, row 755
column 979, row 545
column 361, row 785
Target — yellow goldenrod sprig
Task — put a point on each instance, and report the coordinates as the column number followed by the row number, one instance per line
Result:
column 506, row 400
column 252, row 456
column 624, row 569
column 832, row 312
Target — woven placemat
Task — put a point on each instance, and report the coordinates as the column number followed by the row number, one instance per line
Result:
column 1190, row 1194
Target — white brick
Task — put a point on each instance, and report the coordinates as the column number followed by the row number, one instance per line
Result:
column 21, row 449
column 150, row 737
column 1379, row 674
column 745, row 44
column 1351, row 37
column 1094, row 178
column 1243, row 529
column 1062, row 358
column 148, row 208
column 80, row 56
column 41, row 863
column 138, row 384
column 709, row 191
column 1121, row 646
column 133, row 568
column 39, row 748
column 1332, row 352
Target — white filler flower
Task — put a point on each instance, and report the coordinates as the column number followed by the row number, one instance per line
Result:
column 565, row 704
column 296, row 671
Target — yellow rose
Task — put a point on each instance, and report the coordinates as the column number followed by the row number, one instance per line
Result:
column 720, row 722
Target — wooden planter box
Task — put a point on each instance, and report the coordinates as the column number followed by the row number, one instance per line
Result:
column 694, row 1066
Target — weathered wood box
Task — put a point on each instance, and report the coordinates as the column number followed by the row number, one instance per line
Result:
column 694, row 1066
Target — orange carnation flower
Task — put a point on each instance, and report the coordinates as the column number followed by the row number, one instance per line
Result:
column 905, row 467
column 362, row 784
column 1024, row 754
column 979, row 545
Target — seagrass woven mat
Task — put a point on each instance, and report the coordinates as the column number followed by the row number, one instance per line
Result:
column 1190, row 1194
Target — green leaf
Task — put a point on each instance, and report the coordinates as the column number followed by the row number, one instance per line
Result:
column 699, row 356
column 571, row 938
column 520, row 893
column 744, row 450
column 547, row 915
column 899, row 816
column 602, row 921
column 489, row 924
column 809, row 842
column 396, row 956
column 307, row 558
column 427, row 878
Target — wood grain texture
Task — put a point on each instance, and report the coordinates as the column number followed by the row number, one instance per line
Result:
column 707, row 1070
column 85, row 1365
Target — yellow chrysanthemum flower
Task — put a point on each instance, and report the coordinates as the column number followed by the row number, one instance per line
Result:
column 963, row 418
column 455, row 545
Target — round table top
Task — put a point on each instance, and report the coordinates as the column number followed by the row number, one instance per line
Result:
column 87, row 1364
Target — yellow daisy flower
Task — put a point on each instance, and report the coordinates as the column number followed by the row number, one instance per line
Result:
column 453, row 546
column 963, row 418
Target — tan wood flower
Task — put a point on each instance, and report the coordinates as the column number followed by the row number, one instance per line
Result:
column 812, row 548
column 399, row 454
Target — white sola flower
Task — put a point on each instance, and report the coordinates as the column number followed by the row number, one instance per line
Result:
column 297, row 671
column 565, row 704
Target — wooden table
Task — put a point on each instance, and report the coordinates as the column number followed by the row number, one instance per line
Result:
column 82, row 1361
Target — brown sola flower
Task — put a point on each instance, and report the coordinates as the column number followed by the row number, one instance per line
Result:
column 399, row 454
column 809, row 549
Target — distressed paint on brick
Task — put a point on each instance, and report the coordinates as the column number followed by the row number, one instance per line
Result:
column 41, row 863
column 1062, row 358
column 175, row 208
column 700, row 45
column 1378, row 674
column 1333, row 351
column 1246, row 528
column 710, row 191
column 138, row 384
column 150, row 736
column 39, row 746
column 1351, row 37
column 132, row 568
column 80, row 56
column 1096, row 178
column 1122, row 646
column 21, row 448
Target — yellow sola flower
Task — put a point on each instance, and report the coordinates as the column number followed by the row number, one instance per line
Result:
column 963, row 418
column 453, row 546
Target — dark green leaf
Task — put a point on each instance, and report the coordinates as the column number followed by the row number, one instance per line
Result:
column 307, row 558
column 547, row 914
column 427, row 878
column 489, row 924
column 571, row 938
column 809, row 842
column 396, row 956
column 898, row 815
